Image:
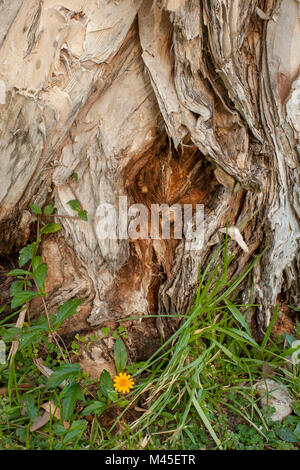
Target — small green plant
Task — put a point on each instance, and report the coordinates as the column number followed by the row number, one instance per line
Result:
column 63, row 385
column 119, row 332
column 27, row 337
column 75, row 205
column 30, row 284
column 107, row 391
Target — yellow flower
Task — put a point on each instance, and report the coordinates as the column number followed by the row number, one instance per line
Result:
column 123, row 383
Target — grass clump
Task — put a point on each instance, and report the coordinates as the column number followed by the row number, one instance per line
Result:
column 196, row 391
column 200, row 384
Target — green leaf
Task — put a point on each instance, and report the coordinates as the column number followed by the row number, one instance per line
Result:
column 43, row 321
column 26, row 254
column 31, row 409
column 16, row 286
column 35, row 209
column 21, row 434
column 296, row 407
column 39, row 275
column 36, row 261
column 120, row 355
column 74, row 176
column 30, row 339
column 297, row 432
column 290, row 339
column 105, row 383
column 59, row 430
column 51, row 228
column 27, row 336
column 205, row 420
column 105, row 330
column 63, row 372
column 291, row 420
column 83, row 215
column 76, row 430
column 11, row 334
column 19, row 272
column 74, row 204
column 3, row 306
column 21, row 298
column 71, row 394
column 238, row 316
column 270, row 327
column 296, row 309
column 67, row 310
column 48, row 209
column 286, row 434
column 244, row 335
column 112, row 395
column 96, row 407
column 123, row 403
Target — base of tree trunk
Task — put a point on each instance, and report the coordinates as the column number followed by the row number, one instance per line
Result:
column 165, row 102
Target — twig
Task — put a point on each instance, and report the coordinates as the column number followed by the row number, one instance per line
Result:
column 64, row 216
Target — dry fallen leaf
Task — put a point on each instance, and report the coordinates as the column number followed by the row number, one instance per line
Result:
column 15, row 344
column 40, row 421
column 25, row 386
column 51, row 408
column 46, row 371
column 267, row 371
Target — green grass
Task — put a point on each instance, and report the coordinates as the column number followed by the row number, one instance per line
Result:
column 197, row 388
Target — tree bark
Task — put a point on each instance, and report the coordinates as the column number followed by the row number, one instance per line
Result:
column 170, row 101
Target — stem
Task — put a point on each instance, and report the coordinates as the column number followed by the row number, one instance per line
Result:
column 64, row 216
column 75, row 194
column 53, row 333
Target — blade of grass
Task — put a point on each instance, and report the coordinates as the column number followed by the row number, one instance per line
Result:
column 270, row 327
column 205, row 420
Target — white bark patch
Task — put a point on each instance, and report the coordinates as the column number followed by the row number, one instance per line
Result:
column 293, row 108
column 108, row 25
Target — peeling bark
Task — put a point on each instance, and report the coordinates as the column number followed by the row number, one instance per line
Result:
column 175, row 102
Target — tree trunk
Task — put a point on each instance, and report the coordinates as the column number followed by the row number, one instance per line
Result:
column 171, row 101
